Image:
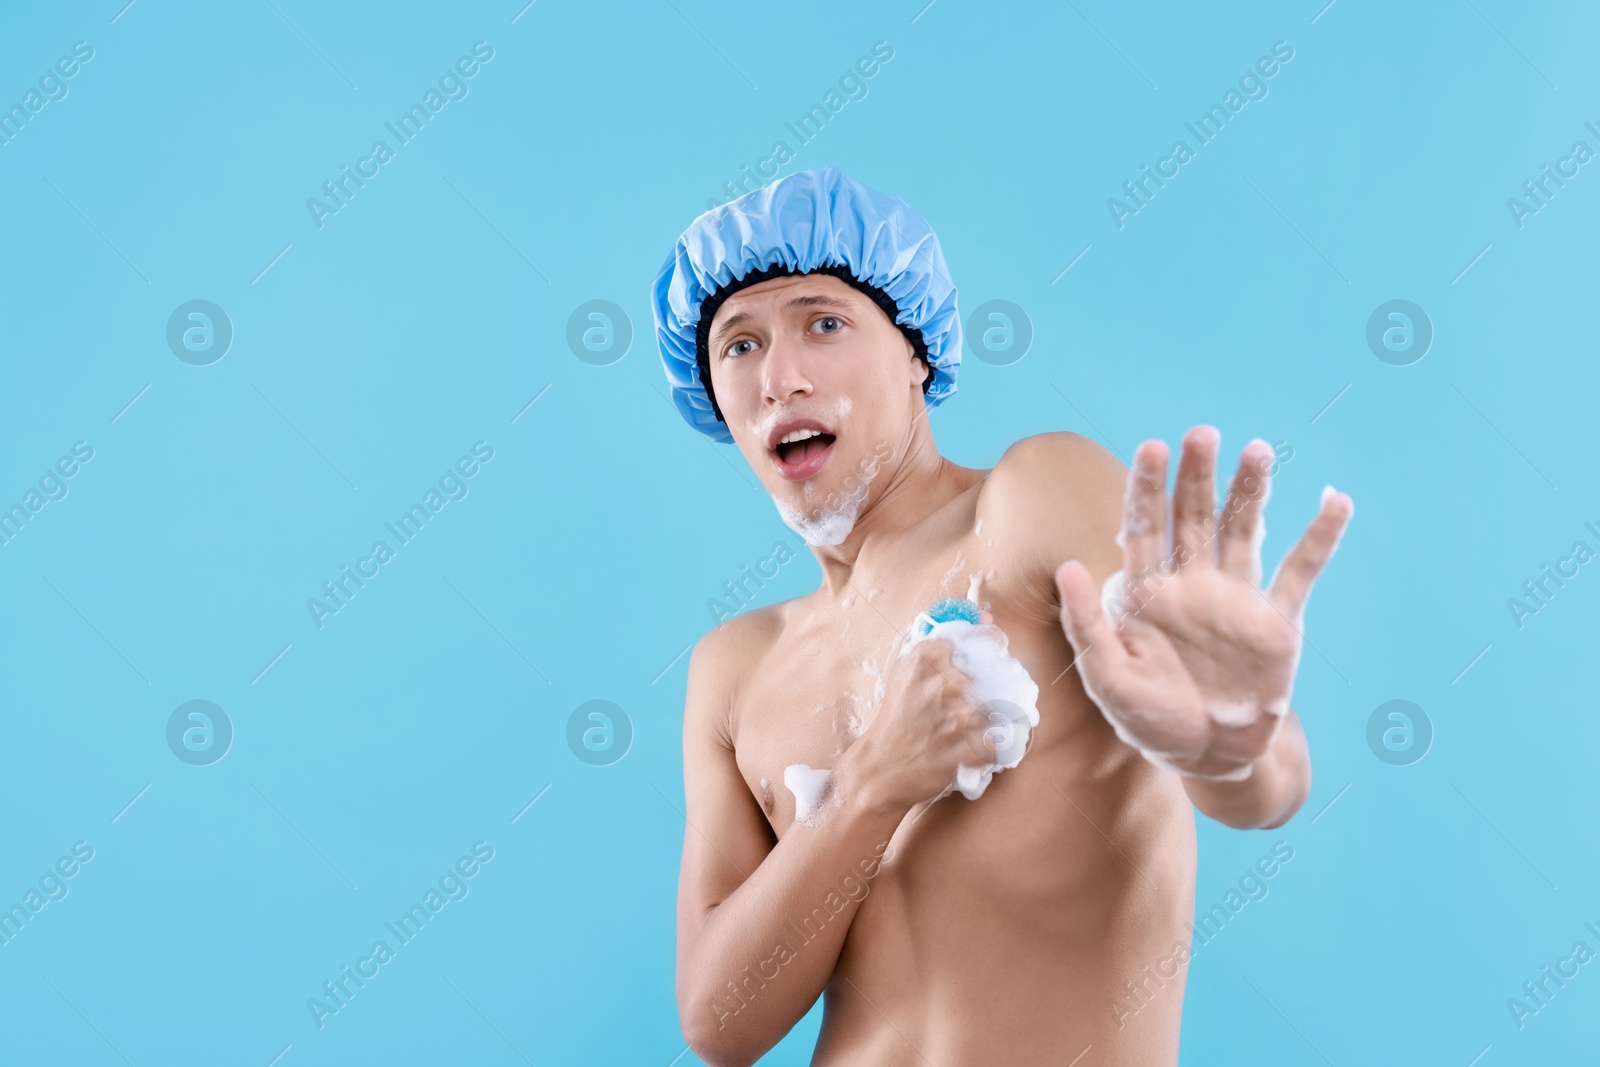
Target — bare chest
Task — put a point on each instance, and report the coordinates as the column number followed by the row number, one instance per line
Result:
column 819, row 686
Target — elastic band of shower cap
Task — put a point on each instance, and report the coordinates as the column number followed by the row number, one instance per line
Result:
column 812, row 221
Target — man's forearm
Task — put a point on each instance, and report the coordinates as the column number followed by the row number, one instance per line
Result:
column 1277, row 786
column 763, row 956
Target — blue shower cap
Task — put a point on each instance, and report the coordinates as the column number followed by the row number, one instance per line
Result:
column 809, row 221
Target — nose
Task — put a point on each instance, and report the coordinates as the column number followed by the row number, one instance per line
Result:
column 783, row 372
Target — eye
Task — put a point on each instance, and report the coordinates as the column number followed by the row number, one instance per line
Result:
column 838, row 324
column 735, row 350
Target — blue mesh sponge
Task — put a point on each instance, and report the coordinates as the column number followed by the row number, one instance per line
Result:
column 945, row 610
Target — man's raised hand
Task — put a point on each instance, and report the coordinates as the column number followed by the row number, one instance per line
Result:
column 1195, row 665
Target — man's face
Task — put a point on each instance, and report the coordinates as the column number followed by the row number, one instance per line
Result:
column 810, row 354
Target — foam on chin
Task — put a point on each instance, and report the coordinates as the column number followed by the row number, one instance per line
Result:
column 827, row 526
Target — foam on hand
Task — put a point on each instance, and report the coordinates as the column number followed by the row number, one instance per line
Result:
column 999, row 686
column 1113, row 602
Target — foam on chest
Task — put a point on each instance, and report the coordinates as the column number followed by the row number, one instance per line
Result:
column 793, row 718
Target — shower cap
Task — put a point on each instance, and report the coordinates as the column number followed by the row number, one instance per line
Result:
column 812, row 221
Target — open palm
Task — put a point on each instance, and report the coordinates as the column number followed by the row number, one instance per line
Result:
column 1189, row 659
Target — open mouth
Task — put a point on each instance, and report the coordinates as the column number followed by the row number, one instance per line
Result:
column 800, row 453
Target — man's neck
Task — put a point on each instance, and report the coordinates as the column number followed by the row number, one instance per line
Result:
column 916, row 487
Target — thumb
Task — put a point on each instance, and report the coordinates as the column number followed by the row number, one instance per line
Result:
column 1083, row 619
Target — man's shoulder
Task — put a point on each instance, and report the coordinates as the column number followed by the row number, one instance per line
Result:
column 739, row 641
column 1055, row 466
column 1052, row 493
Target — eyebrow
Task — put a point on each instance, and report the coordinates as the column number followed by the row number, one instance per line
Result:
column 813, row 300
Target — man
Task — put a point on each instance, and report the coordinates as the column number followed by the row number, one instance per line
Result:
column 812, row 323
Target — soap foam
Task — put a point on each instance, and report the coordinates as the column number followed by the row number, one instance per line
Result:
column 999, row 686
column 1238, row 775
column 1233, row 714
column 1112, row 602
column 831, row 414
column 807, row 784
column 1238, row 715
column 828, row 528
column 821, row 526
column 955, row 569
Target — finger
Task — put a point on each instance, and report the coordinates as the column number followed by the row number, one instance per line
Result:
column 943, row 660
column 1144, row 509
column 984, row 735
column 1096, row 646
column 1291, row 585
column 1194, row 499
column 936, row 652
column 1239, row 548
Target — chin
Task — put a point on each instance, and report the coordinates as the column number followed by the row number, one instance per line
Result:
column 828, row 506
column 820, row 525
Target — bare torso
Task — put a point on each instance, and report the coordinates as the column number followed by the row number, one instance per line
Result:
column 1001, row 930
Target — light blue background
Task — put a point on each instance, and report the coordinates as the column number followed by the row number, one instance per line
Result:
column 430, row 311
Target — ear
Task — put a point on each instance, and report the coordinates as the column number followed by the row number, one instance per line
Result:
column 919, row 370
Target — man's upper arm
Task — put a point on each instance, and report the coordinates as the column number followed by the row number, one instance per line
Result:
column 726, row 836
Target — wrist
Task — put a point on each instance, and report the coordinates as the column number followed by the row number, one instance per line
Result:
column 1203, row 767
column 1274, row 790
column 863, row 792
column 1214, row 762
